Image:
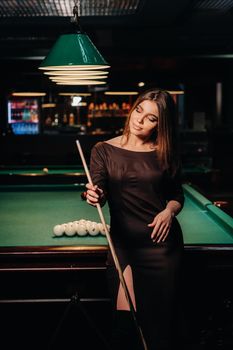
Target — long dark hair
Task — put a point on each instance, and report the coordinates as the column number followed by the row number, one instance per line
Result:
column 165, row 135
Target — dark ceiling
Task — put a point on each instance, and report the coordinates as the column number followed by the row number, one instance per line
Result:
column 170, row 40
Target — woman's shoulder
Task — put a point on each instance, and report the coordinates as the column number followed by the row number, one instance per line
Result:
column 104, row 149
column 115, row 141
column 101, row 146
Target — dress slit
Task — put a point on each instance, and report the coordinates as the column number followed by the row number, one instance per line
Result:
column 123, row 304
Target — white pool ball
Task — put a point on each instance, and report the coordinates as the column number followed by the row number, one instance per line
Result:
column 58, row 230
column 70, row 229
column 63, row 226
column 81, row 229
column 101, row 228
column 93, row 229
column 88, row 223
column 76, row 223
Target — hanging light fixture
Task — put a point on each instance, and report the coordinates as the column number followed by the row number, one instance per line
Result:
column 81, row 82
column 81, row 77
column 75, row 73
column 74, row 53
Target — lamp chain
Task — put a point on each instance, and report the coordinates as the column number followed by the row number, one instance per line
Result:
column 76, row 12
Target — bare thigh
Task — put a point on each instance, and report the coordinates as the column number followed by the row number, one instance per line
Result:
column 122, row 303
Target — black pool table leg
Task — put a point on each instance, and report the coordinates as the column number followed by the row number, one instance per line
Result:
column 76, row 302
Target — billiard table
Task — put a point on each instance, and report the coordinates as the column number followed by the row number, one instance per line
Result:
column 41, row 174
column 28, row 214
column 37, row 267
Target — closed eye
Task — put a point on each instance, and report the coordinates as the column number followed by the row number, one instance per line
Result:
column 153, row 119
column 138, row 109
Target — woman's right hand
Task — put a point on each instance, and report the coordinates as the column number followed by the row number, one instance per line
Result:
column 94, row 194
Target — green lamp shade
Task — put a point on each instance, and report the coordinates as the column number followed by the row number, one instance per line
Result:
column 73, row 51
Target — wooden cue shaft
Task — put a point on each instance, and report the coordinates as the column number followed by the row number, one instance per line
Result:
column 112, row 249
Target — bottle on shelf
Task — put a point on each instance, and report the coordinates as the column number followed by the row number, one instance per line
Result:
column 64, row 119
column 71, row 119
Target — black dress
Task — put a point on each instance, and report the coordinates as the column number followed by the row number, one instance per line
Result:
column 136, row 190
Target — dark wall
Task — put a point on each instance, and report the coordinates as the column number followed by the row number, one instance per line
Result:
column 44, row 149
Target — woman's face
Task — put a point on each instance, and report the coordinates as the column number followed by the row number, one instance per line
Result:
column 144, row 119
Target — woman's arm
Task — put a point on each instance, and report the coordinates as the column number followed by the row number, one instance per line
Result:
column 162, row 222
column 175, row 201
column 174, row 207
column 95, row 195
column 98, row 192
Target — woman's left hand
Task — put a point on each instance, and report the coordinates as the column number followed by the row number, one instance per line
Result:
column 161, row 225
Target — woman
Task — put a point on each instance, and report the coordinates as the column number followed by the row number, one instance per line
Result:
column 138, row 174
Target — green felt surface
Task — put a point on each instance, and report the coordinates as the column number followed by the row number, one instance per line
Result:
column 196, row 170
column 38, row 170
column 221, row 217
column 195, row 196
column 27, row 218
column 199, row 226
column 61, row 169
column 29, row 213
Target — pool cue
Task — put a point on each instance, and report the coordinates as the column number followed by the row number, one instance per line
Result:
column 112, row 249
